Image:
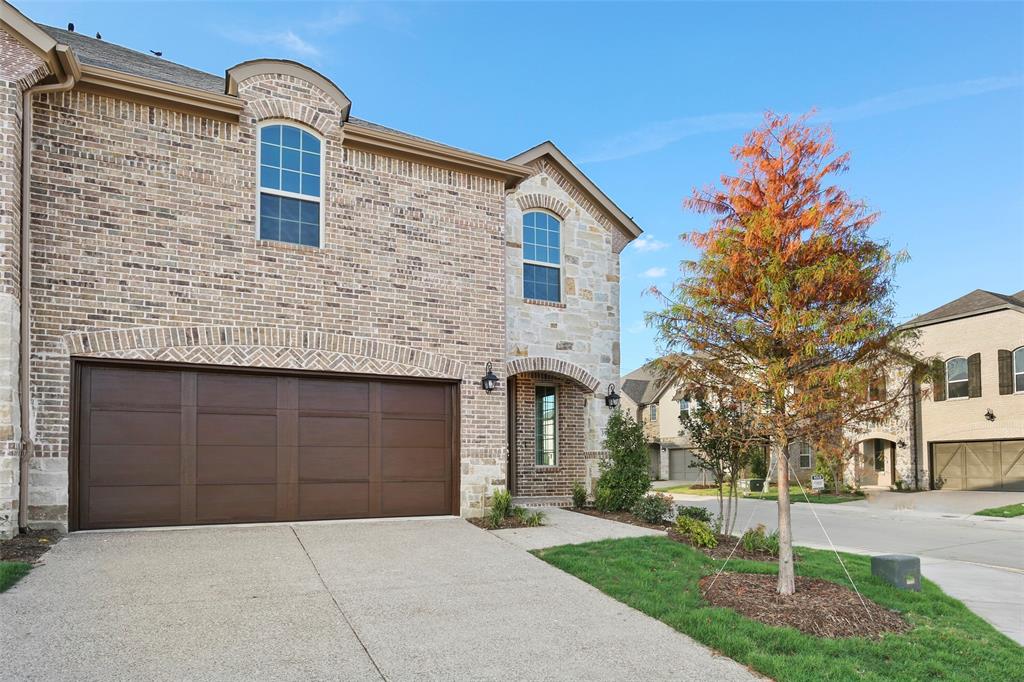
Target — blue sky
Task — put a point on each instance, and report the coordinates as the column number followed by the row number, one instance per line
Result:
column 649, row 98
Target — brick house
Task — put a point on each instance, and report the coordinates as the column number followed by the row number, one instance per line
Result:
column 233, row 301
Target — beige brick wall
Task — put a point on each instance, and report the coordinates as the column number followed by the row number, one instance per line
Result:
column 19, row 69
column 571, row 462
column 147, row 220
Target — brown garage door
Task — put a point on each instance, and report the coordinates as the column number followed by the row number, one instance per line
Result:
column 979, row 465
column 161, row 446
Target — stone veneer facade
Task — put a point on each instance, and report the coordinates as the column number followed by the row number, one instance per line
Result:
column 145, row 247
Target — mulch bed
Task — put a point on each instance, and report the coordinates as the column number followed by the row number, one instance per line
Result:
column 621, row 517
column 507, row 522
column 28, row 547
column 725, row 547
column 819, row 607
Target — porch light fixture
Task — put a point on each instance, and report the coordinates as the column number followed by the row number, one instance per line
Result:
column 490, row 381
column 990, row 415
column 612, row 399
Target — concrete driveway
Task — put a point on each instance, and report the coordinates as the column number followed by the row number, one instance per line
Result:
column 395, row 600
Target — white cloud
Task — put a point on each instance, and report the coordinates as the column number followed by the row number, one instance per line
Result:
column 648, row 244
column 661, row 134
column 653, row 273
column 286, row 40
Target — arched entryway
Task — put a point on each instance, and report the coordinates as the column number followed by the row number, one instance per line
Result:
column 876, row 462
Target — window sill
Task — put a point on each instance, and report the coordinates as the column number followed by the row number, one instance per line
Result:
column 547, row 467
column 549, row 304
column 288, row 246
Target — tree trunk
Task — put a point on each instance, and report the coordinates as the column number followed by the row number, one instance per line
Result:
column 787, row 581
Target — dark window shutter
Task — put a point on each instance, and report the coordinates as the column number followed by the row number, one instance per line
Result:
column 974, row 376
column 939, row 382
column 1005, row 372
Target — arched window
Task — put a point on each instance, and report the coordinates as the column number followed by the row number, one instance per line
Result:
column 956, row 377
column 1018, row 370
column 542, row 257
column 291, row 165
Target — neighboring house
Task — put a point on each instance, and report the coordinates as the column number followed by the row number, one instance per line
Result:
column 965, row 428
column 233, row 301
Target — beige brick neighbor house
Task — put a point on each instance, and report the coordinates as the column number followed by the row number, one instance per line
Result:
column 226, row 299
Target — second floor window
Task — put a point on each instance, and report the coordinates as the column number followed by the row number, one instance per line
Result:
column 542, row 257
column 1018, row 370
column 654, row 413
column 290, row 208
column 956, row 378
column 684, row 407
column 804, row 453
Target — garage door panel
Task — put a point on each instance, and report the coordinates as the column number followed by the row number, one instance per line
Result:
column 128, row 506
column 334, row 395
column 334, row 431
column 236, row 429
column 321, row 464
column 165, row 447
column 134, row 428
column 236, row 464
column 413, row 498
column 134, row 465
column 413, row 463
column 413, row 398
column 949, row 465
column 138, row 388
column 1012, row 464
column 236, row 391
column 398, row 433
column 333, row 500
column 233, row 503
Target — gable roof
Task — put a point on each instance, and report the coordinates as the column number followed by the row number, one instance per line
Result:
column 978, row 302
column 549, row 150
column 643, row 385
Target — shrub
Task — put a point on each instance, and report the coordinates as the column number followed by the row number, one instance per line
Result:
column 603, row 499
column 653, row 508
column 757, row 540
column 698, row 513
column 823, row 466
column 759, row 464
column 534, row 519
column 625, row 474
column 501, row 503
column 697, row 532
column 579, row 495
column 519, row 513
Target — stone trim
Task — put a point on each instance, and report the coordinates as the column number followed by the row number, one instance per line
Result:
column 532, row 201
column 620, row 238
column 553, row 366
column 268, row 108
column 286, row 348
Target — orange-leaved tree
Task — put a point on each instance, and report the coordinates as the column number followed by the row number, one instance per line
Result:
column 788, row 312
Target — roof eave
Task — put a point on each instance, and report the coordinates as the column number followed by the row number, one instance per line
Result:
column 915, row 324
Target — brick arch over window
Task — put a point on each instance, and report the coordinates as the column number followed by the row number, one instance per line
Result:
column 531, row 201
column 553, row 366
column 280, row 348
column 317, row 119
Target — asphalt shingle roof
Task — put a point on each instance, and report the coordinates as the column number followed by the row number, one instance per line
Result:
column 641, row 385
column 971, row 303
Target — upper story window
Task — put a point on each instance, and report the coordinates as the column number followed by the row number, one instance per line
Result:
column 956, row 377
column 804, row 453
column 684, row 407
column 291, row 165
column 654, row 413
column 876, row 389
column 1018, row 370
column 542, row 257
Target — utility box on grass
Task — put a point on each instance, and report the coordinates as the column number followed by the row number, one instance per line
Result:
column 902, row 571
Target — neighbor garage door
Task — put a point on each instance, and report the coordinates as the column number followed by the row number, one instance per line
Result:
column 979, row 465
column 683, row 466
column 161, row 446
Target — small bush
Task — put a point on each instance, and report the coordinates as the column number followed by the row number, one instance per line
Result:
column 604, row 499
column 757, row 540
column 625, row 474
column 698, row 513
column 653, row 508
column 519, row 514
column 579, row 495
column 697, row 532
column 501, row 503
column 534, row 519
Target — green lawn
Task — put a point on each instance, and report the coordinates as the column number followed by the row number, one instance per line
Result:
column 11, row 572
column 1007, row 512
column 795, row 494
column 659, row 577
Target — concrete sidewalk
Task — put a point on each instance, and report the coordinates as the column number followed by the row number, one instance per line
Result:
column 391, row 600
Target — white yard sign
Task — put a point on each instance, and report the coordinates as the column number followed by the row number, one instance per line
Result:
column 817, row 482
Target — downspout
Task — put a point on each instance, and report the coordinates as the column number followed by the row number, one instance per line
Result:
column 25, row 351
column 913, row 433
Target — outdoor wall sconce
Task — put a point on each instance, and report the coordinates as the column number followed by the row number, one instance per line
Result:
column 489, row 382
column 612, row 399
column 901, row 443
column 990, row 415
